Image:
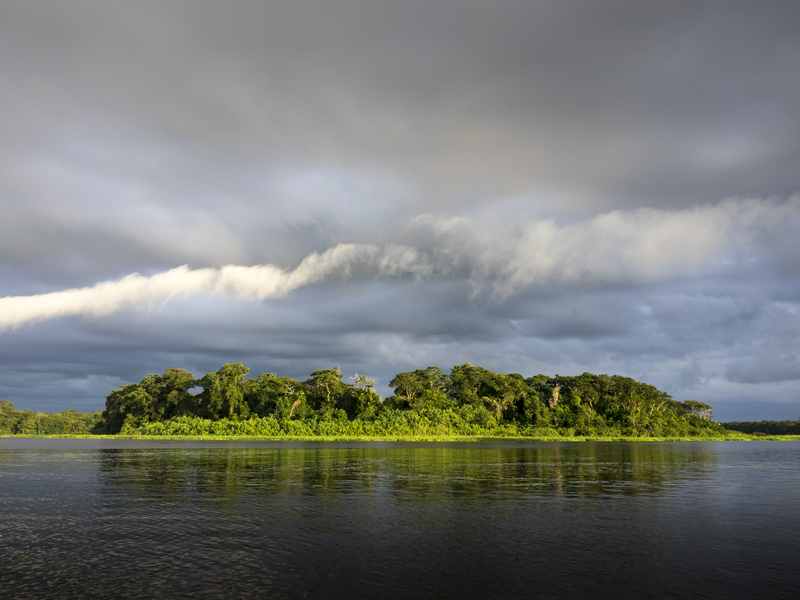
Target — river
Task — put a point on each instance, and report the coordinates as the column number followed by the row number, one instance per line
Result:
column 192, row 519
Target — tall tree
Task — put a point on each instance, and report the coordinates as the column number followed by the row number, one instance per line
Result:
column 223, row 392
column 465, row 382
column 326, row 388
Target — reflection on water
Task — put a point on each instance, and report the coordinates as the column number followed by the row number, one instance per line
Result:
column 588, row 471
column 400, row 520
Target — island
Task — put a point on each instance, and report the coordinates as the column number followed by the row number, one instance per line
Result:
column 469, row 402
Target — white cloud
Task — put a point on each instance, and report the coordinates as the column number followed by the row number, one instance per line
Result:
column 250, row 283
column 639, row 246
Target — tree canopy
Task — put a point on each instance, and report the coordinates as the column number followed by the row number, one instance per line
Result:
column 585, row 404
column 25, row 422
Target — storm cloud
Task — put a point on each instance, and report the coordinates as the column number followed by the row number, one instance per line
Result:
column 546, row 186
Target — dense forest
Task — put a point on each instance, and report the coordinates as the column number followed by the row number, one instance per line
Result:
column 765, row 427
column 25, row 422
column 470, row 400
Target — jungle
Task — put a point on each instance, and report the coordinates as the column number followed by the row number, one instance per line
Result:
column 468, row 401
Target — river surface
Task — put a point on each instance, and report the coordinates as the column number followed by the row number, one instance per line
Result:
column 174, row 519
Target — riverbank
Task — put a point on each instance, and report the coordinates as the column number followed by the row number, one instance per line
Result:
column 732, row 436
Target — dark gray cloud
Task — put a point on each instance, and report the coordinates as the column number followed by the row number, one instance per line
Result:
column 690, row 377
column 607, row 187
column 778, row 357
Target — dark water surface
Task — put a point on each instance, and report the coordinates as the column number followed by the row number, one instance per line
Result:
column 143, row 519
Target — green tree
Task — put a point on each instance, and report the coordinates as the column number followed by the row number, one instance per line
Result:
column 363, row 401
column 268, row 394
column 154, row 398
column 421, row 388
column 8, row 417
column 128, row 407
column 326, row 389
column 701, row 409
column 503, row 393
column 465, row 383
column 223, row 392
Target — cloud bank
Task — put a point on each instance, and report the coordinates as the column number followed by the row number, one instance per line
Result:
column 243, row 282
column 643, row 245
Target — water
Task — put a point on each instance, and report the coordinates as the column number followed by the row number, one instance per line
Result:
column 143, row 519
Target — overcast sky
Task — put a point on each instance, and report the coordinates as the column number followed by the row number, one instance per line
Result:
column 531, row 186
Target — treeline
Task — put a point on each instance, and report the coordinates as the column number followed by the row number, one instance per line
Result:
column 25, row 422
column 765, row 427
column 470, row 400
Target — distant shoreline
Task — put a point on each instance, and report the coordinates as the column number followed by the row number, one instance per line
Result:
column 342, row 438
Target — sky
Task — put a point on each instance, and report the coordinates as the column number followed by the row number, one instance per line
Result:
column 530, row 186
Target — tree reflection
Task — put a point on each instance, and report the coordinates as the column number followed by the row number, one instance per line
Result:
column 408, row 473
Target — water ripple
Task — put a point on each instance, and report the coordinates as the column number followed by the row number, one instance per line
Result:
column 512, row 521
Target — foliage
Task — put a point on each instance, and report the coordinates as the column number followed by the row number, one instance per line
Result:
column 470, row 401
column 765, row 427
column 25, row 422
column 223, row 393
column 155, row 398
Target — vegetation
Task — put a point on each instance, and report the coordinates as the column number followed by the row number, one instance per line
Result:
column 25, row 422
column 765, row 427
column 469, row 401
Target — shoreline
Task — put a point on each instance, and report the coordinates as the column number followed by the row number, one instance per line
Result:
column 416, row 438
